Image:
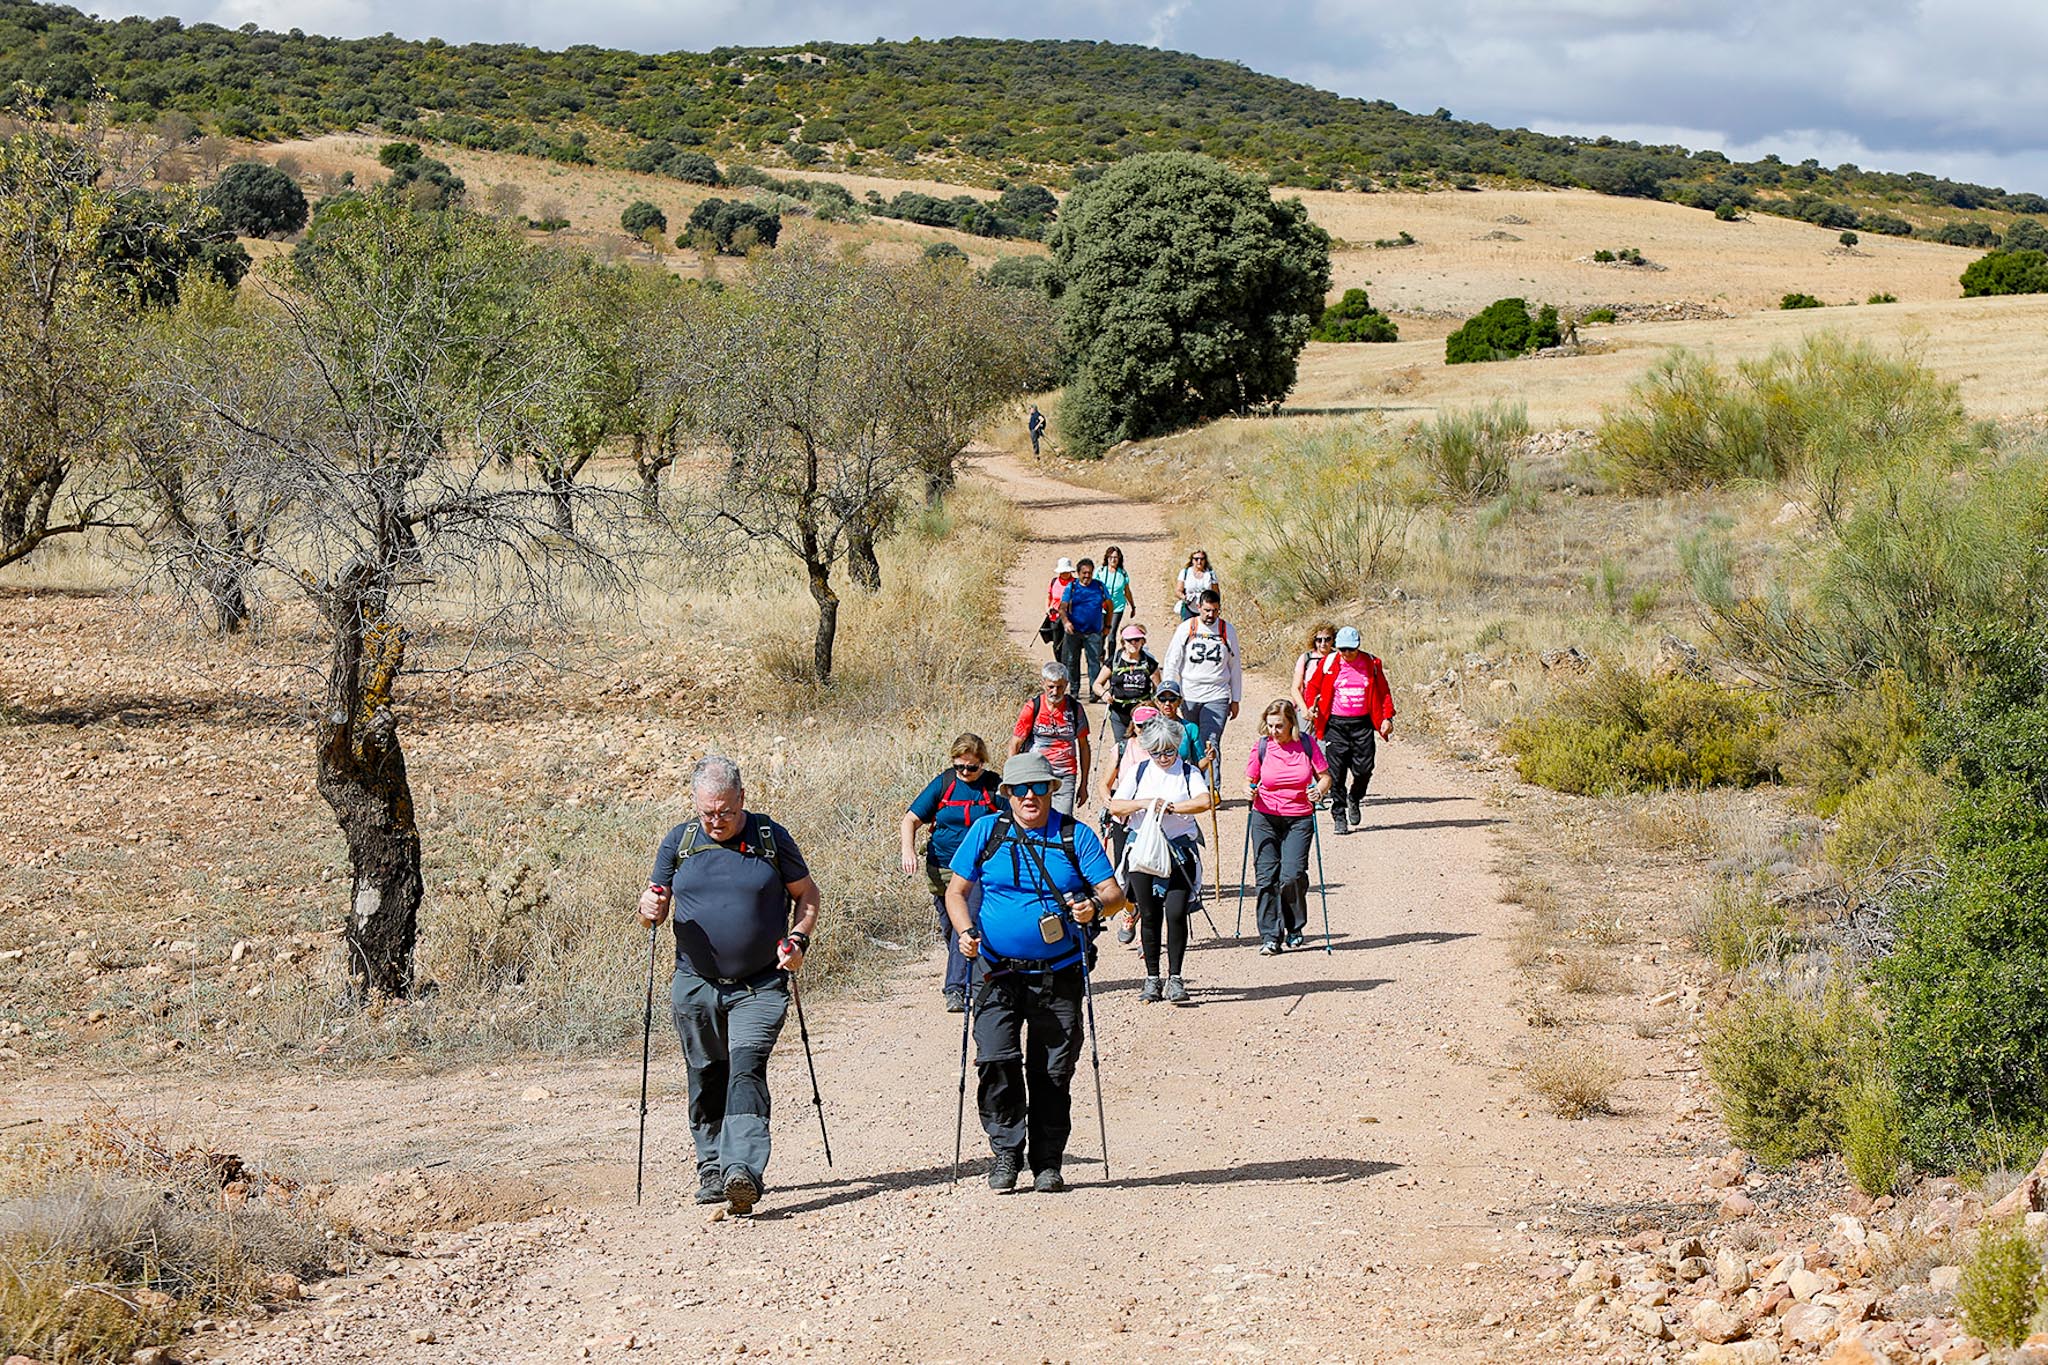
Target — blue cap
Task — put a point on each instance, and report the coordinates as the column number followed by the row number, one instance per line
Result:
column 1347, row 638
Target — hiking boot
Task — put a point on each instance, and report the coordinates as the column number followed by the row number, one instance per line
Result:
column 1295, row 939
column 1269, row 948
column 1126, row 927
column 1357, row 820
column 1337, row 819
column 1002, row 1172
column 741, row 1190
column 710, row 1186
column 1148, row 994
column 1177, row 992
column 956, row 1000
column 1048, row 1182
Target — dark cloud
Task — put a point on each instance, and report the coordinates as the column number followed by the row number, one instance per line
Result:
column 1950, row 86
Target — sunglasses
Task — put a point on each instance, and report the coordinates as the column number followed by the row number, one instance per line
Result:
column 967, row 767
column 1325, row 639
column 1031, row 789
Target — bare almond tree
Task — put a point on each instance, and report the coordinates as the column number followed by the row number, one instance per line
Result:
column 404, row 354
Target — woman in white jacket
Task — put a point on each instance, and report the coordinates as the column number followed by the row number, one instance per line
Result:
column 1162, row 787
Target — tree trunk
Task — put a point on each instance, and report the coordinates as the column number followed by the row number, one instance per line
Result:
column 650, row 478
column 828, row 620
column 938, row 481
column 360, row 773
column 562, row 502
column 230, row 603
column 864, row 567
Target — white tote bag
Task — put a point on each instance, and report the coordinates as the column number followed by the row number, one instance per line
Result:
column 1149, row 852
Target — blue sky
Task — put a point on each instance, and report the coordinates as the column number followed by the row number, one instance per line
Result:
column 1949, row 86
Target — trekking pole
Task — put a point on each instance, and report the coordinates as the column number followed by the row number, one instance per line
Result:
column 1216, row 849
column 646, row 1047
column 1094, row 1059
column 817, row 1100
column 960, row 1113
column 1315, row 838
column 1244, row 870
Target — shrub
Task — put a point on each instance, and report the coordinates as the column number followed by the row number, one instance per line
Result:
column 1598, row 315
column 1882, row 297
column 1890, row 225
column 2006, row 272
column 1873, row 1136
column 255, row 200
column 1800, row 301
column 1887, row 828
column 2002, row 1287
column 1784, row 1067
column 1502, row 330
column 1324, row 516
column 1727, row 212
column 1827, row 410
column 1620, row 731
column 1353, row 318
column 1853, row 737
column 1467, row 453
column 640, row 216
column 1739, row 927
column 1389, row 243
column 1020, row 272
column 1970, row 233
column 1848, row 239
column 1577, row 1081
column 944, row 251
column 732, row 227
column 2025, row 235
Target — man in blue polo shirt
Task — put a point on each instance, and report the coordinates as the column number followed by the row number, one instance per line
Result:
column 1084, row 611
column 732, row 877
column 1042, row 876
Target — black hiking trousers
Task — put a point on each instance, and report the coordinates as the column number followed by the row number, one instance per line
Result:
column 1027, row 1043
column 1349, row 744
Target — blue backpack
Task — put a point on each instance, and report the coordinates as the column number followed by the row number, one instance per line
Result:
column 1011, row 935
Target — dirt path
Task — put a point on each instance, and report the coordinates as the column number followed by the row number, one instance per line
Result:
column 1328, row 1158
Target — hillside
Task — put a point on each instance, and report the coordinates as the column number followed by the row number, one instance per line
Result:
column 958, row 110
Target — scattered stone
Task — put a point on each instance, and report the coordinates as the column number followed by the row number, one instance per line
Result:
column 1569, row 660
column 1735, row 1353
column 1736, row 1205
column 1731, row 1272
column 152, row 1355
column 534, row 1094
column 283, row 1286
column 1686, row 1249
column 1694, row 1268
column 1714, row 1321
column 1649, row 1322
column 1805, row 1284
column 1588, row 1275
column 423, row 1336
column 1810, row 1324
column 1945, row 1279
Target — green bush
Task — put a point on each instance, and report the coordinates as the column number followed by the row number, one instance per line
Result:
column 1784, row 1068
column 1873, row 1135
column 1837, row 745
column 2006, row 272
column 1598, row 315
column 1739, row 927
column 640, row 216
column 1882, row 297
column 944, row 251
column 732, row 226
column 1020, row 272
column 1620, row 731
column 1502, row 330
column 2002, row 1286
column 1966, row 985
column 1727, row 213
column 1353, row 318
column 1321, row 518
column 1885, row 827
column 1828, row 410
column 256, row 200
column 1800, row 301
column 1467, row 453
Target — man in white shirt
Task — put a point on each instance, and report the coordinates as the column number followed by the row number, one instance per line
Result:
column 1203, row 661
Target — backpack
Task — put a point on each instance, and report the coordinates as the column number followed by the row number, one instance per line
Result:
column 980, row 799
column 695, row 841
column 1130, row 680
column 1080, row 719
column 1224, row 634
column 1018, row 940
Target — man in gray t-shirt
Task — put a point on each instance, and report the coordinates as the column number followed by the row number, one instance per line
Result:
column 731, row 878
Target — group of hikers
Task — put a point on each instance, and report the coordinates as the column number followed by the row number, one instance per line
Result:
column 1021, row 885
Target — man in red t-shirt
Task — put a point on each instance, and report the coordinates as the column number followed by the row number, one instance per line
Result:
column 1353, row 702
column 1054, row 725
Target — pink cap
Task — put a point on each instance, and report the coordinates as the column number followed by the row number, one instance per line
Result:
column 1134, row 633
column 1143, row 714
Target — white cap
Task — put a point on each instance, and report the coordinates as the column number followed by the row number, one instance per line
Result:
column 1064, row 566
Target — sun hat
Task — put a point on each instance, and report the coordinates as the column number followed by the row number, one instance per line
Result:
column 1347, row 638
column 1064, row 566
column 1168, row 689
column 1143, row 714
column 1134, row 633
column 1023, row 768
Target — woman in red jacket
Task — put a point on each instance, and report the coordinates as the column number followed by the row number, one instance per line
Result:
column 1353, row 703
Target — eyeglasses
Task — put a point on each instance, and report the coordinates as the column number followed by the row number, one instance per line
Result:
column 967, row 767
column 1031, row 789
column 1325, row 639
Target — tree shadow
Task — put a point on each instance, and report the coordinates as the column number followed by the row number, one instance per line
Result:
column 1247, row 995
column 1479, row 822
column 1411, row 800
column 1316, row 1170
column 1343, row 944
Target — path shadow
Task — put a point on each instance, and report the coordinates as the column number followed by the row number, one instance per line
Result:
column 1430, row 936
column 1248, row 995
column 832, row 1193
column 1412, row 800
column 1478, row 822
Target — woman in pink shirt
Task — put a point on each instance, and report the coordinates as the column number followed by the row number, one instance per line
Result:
column 1287, row 775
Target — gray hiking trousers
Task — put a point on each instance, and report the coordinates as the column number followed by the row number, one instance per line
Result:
column 728, row 1030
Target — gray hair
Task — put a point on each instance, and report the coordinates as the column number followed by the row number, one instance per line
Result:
column 1160, row 736
column 716, row 775
column 1051, row 669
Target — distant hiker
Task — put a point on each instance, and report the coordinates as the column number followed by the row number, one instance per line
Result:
column 1054, row 725
column 1130, row 678
column 1116, row 581
column 1194, row 579
column 1287, row 774
column 1084, row 613
column 1053, row 628
column 1042, row 877
column 730, row 876
column 1354, row 700
column 1204, row 665
column 1321, row 652
column 1034, row 422
column 948, row 805
column 1163, row 787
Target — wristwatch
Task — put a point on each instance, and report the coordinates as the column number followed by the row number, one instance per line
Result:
column 801, row 939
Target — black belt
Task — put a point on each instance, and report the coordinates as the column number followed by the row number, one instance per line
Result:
column 760, row 978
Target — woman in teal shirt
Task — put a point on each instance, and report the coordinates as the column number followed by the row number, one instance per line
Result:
column 1123, row 603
